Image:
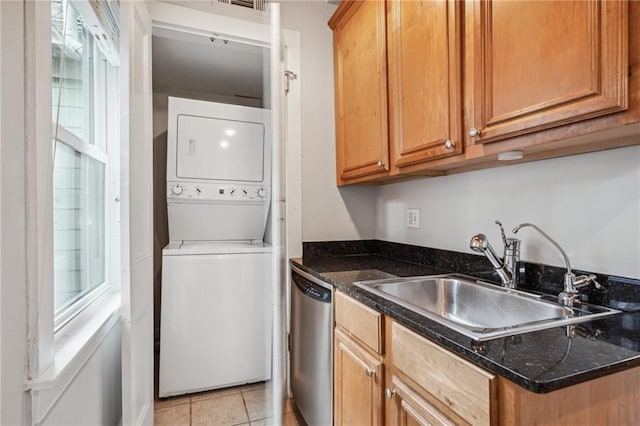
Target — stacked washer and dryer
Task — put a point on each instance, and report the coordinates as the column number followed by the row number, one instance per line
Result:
column 215, row 327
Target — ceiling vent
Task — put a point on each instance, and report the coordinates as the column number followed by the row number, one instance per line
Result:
column 260, row 5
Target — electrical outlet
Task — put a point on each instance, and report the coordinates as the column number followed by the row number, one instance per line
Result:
column 413, row 218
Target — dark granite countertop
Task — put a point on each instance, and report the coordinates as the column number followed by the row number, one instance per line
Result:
column 541, row 361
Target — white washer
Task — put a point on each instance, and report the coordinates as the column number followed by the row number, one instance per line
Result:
column 215, row 319
column 215, row 325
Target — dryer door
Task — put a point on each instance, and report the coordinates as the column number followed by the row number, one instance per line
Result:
column 218, row 149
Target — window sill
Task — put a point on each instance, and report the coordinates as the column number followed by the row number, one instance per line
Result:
column 75, row 343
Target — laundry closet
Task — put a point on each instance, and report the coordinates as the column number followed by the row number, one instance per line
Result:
column 212, row 197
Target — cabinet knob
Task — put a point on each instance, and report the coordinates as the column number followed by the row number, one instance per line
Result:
column 380, row 163
column 370, row 372
column 388, row 393
column 474, row 132
column 449, row 144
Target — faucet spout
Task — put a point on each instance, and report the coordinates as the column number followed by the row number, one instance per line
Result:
column 480, row 243
column 551, row 240
column 570, row 295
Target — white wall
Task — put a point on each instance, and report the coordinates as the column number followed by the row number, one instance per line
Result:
column 94, row 397
column 589, row 203
column 328, row 213
column 13, row 292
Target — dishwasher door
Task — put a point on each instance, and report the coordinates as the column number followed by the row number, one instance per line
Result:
column 311, row 349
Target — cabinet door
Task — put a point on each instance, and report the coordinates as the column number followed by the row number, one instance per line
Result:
column 425, row 104
column 542, row 64
column 412, row 409
column 361, row 90
column 358, row 380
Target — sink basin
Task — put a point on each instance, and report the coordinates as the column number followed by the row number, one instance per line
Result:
column 478, row 310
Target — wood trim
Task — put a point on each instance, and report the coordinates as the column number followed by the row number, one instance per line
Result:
column 383, row 96
column 359, row 320
column 337, row 84
column 464, row 388
column 340, row 13
column 588, row 138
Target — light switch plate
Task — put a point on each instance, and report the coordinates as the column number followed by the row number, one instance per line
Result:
column 413, row 218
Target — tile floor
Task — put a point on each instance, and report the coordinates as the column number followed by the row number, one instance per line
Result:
column 241, row 405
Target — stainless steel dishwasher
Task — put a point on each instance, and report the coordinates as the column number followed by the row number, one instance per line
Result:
column 311, row 347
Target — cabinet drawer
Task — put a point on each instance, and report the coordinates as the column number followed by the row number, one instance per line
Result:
column 461, row 386
column 359, row 320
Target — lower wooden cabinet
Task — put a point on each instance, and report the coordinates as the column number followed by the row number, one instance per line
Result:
column 358, row 383
column 459, row 386
column 411, row 408
column 409, row 380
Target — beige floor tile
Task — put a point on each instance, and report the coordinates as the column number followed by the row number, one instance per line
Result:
column 215, row 393
column 262, row 422
column 175, row 400
column 288, row 419
column 175, row 415
column 224, row 410
column 258, row 403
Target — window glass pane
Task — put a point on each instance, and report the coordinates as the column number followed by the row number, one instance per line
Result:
column 79, row 225
column 73, row 56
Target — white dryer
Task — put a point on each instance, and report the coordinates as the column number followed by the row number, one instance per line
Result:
column 218, row 171
column 215, row 319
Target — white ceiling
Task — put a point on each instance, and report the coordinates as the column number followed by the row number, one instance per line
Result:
column 205, row 63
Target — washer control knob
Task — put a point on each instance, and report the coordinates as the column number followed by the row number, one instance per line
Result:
column 261, row 192
column 177, row 189
column 244, row 192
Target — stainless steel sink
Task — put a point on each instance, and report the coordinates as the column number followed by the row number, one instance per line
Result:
column 478, row 310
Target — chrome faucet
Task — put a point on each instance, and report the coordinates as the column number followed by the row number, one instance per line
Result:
column 569, row 296
column 506, row 268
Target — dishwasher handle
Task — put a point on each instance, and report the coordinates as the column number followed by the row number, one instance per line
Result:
column 316, row 291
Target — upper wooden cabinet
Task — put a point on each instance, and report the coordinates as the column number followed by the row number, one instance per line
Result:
column 425, row 86
column 360, row 63
column 458, row 82
column 542, row 64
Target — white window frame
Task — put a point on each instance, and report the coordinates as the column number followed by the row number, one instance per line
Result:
column 98, row 135
column 58, row 350
column 67, row 314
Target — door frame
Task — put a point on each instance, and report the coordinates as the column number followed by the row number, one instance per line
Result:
column 202, row 20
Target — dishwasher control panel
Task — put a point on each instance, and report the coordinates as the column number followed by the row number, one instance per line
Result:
column 312, row 290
